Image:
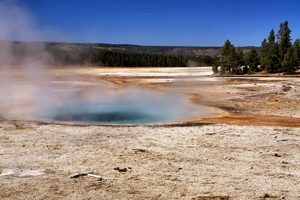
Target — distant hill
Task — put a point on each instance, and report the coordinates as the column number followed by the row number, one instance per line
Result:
column 168, row 50
column 15, row 52
column 128, row 48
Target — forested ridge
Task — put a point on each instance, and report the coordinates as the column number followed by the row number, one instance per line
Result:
column 277, row 54
column 109, row 58
column 67, row 54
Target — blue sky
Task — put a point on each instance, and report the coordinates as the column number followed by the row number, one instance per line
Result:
column 155, row 22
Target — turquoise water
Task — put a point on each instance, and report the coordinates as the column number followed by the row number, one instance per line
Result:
column 125, row 117
column 126, row 106
column 134, row 112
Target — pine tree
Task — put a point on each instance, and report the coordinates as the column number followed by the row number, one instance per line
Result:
column 263, row 54
column 215, row 67
column 226, row 50
column 284, row 39
column 252, row 60
column 289, row 62
column 296, row 47
column 232, row 60
column 240, row 59
column 270, row 61
column 227, row 56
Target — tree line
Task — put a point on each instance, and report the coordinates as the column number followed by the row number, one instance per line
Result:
column 277, row 54
column 63, row 55
column 115, row 59
column 98, row 57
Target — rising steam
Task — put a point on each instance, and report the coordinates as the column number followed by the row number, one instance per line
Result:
column 29, row 92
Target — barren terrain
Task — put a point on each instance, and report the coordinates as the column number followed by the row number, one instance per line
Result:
column 248, row 148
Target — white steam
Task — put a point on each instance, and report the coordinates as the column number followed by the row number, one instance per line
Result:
column 24, row 85
column 17, row 24
column 29, row 91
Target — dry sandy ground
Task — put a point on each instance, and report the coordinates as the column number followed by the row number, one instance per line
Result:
column 250, row 149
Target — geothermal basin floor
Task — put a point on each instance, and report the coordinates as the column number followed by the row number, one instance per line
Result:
column 217, row 157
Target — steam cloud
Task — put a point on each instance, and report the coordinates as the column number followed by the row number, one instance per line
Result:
column 28, row 92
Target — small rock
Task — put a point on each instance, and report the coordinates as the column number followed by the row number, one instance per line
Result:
column 120, row 169
column 266, row 196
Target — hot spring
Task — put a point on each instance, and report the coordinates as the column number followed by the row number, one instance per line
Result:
column 126, row 106
column 60, row 97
